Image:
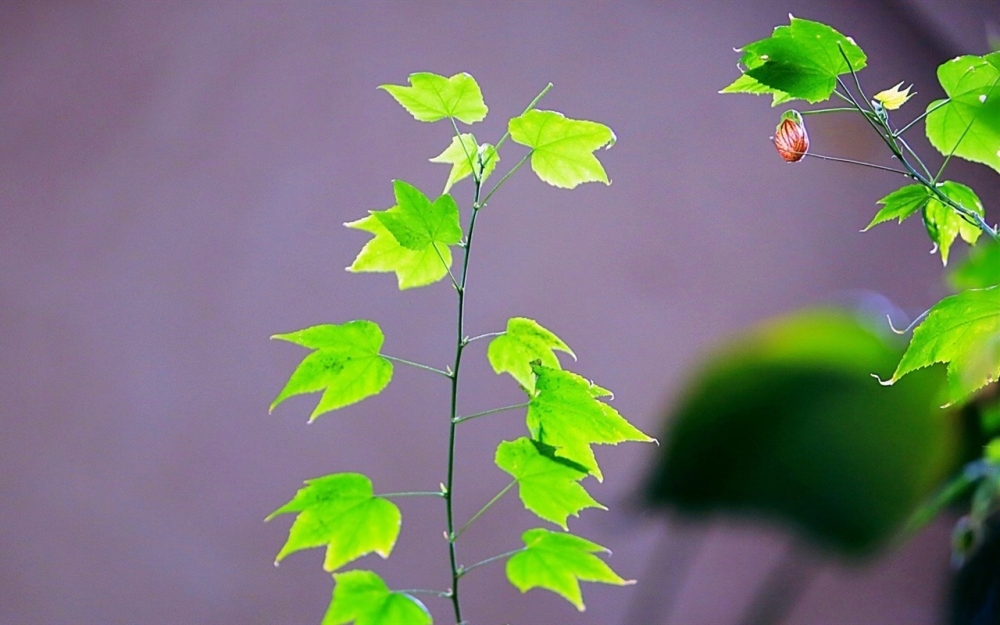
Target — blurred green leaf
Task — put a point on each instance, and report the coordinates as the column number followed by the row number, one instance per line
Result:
column 980, row 270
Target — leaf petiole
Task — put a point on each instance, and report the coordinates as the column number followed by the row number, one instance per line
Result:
column 489, row 412
column 486, row 199
column 466, row 569
column 921, row 116
column 530, row 106
column 416, row 365
column 482, row 510
column 483, row 336
column 414, row 493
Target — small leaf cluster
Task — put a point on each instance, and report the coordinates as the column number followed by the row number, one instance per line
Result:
column 811, row 61
column 566, row 415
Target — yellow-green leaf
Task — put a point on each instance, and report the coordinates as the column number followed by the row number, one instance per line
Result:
column 362, row 598
column 562, row 149
column 467, row 157
column 431, row 97
column 524, row 342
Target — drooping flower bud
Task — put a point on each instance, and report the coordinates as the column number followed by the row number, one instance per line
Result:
column 790, row 137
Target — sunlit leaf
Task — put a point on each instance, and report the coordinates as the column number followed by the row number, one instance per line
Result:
column 559, row 562
column 465, row 155
column 431, row 97
column 345, row 364
column 981, row 269
column 411, row 238
column 901, row 203
column 562, row 149
column 416, row 222
column 362, row 598
column 798, row 61
column 566, row 414
column 548, row 485
column 943, row 223
column 962, row 330
column 340, row 512
column 967, row 123
column 523, row 342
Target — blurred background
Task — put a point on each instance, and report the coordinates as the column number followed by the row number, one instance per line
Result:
column 173, row 180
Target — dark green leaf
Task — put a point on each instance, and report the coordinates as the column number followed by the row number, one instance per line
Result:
column 345, row 364
column 962, row 330
column 416, row 223
column 523, row 342
column 562, row 149
column 943, row 223
column 798, row 61
column 548, row 485
column 340, row 512
column 901, row 203
column 363, row 598
column 566, row 414
column 431, row 97
column 558, row 562
column 967, row 123
column 464, row 155
column 981, row 269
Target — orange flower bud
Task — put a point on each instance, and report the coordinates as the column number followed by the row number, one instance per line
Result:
column 790, row 137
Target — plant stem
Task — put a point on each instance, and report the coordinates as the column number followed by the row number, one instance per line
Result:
column 488, row 412
column 861, row 163
column 413, row 493
column 921, row 116
column 482, row 510
column 459, row 347
column 423, row 591
column 489, row 560
column 483, row 336
column 530, row 106
column 416, row 365
column 505, row 177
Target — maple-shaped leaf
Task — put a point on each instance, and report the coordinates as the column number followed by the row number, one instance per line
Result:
column 362, row 598
column 943, row 223
column 967, row 123
column 562, row 149
column 467, row 157
column 416, row 222
column 411, row 238
column 901, row 203
column 980, row 270
column 962, row 330
column 340, row 512
column 523, row 342
column 345, row 364
column 565, row 413
column 559, row 562
column 548, row 485
column 798, row 61
column 431, row 97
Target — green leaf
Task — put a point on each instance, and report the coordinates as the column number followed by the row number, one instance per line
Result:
column 345, row 364
column 561, row 148
column 967, row 123
column 798, row 61
column 548, row 485
column 339, row 511
column 416, row 223
column 943, row 223
column 524, row 342
column 980, row 270
column 464, row 155
column 430, row 97
column 383, row 253
column 558, row 562
column 901, row 203
column 566, row 414
column 363, row 598
column 962, row 330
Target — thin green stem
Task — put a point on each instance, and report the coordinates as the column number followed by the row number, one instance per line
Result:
column 416, row 365
column 423, row 591
column 483, row 336
column 454, row 282
column 488, row 412
column 459, row 347
column 861, row 163
column 839, row 109
column 501, row 556
column 916, row 157
column 951, row 153
column 530, row 106
column 502, row 180
column 482, row 510
column 413, row 493
column 921, row 116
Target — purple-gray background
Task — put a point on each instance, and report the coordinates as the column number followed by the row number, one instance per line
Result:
column 173, row 180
